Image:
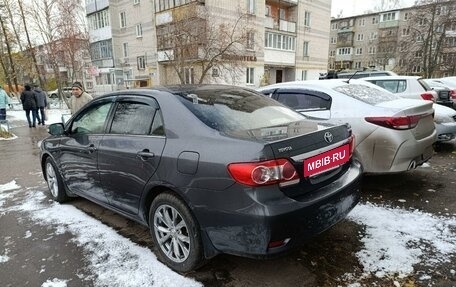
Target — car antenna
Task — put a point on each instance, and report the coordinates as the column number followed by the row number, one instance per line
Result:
column 348, row 81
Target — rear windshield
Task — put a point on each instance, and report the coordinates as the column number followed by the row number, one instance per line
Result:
column 366, row 94
column 238, row 110
column 425, row 85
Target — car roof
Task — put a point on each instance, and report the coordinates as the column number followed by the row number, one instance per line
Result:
column 391, row 78
column 317, row 84
column 177, row 89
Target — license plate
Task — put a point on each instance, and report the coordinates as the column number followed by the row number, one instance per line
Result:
column 327, row 160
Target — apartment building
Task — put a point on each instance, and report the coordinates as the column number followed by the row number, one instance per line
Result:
column 133, row 43
column 399, row 40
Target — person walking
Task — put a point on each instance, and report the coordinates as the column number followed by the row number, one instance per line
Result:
column 41, row 103
column 28, row 99
column 4, row 101
column 79, row 98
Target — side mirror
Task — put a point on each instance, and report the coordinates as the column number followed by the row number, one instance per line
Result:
column 56, row 129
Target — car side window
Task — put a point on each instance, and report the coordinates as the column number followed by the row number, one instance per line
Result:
column 92, row 120
column 157, row 125
column 304, row 101
column 133, row 118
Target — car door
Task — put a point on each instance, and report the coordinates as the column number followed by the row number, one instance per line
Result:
column 312, row 104
column 130, row 152
column 79, row 150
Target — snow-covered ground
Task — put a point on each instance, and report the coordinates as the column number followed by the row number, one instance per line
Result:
column 394, row 242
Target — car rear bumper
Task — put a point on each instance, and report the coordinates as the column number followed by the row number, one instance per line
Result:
column 445, row 131
column 250, row 232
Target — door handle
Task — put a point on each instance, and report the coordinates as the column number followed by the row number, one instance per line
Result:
column 145, row 154
column 91, row 148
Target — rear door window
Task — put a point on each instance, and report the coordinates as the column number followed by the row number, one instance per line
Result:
column 305, row 101
column 134, row 117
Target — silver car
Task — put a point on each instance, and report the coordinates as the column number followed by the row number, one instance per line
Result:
column 391, row 134
column 416, row 87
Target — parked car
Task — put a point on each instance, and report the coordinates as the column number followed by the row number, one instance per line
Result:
column 412, row 87
column 392, row 134
column 210, row 169
column 354, row 74
column 444, row 93
column 416, row 88
column 449, row 82
column 66, row 91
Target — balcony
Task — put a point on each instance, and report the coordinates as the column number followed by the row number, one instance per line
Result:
column 96, row 5
column 388, row 24
column 280, row 58
column 344, row 58
column 280, row 25
column 346, row 29
column 283, row 3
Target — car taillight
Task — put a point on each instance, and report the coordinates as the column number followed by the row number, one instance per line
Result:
column 264, row 173
column 453, row 94
column 427, row 97
column 397, row 123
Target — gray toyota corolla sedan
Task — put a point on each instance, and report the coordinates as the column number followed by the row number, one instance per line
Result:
column 210, row 169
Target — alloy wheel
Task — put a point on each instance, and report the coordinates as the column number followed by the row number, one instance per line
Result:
column 52, row 180
column 172, row 233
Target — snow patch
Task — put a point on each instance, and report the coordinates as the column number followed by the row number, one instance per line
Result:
column 28, row 234
column 9, row 186
column 397, row 239
column 108, row 252
column 55, row 283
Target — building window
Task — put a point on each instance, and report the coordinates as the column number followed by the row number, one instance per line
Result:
column 125, row 49
column 359, row 51
column 101, row 50
column 280, row 41
column 371, row 50
column 419, row 38
column 136, row 2
column 406, row 16
column 307, row 19
column 361, row 22
column 391, row 16
column 374, row 20
column 141, row 62
column 373, row 35
column 98, row 20
column 250, row 40
column 332, row 53
column 123, row 20
column 357, row 65
column 333, row 40
column 250, row 74
column 139, row 31
column 251, row 6
column 305, row 49
column 344, row 51
column 360, row 37
column 418, row 54
column 189, row 77
column 304, row 75
column 405, row 31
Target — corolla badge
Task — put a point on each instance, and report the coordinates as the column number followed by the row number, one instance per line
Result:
column 284, row 149
column 328, row 137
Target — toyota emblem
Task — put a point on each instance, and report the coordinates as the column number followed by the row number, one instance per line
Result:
column 329, row 137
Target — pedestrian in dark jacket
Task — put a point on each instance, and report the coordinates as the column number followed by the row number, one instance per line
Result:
column 28, row 99
column 41, row 103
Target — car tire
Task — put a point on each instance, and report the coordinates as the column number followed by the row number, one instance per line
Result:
column 54, row 181
column 175, row 232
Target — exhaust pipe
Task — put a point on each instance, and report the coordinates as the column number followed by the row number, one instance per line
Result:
column 412, row 165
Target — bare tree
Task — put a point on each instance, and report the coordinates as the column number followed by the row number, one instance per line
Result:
column 7, row 40
column 421, row 51
column 196, row 45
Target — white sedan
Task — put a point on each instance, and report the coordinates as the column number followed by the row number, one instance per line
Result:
column 416, row 88
column 392, row 134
